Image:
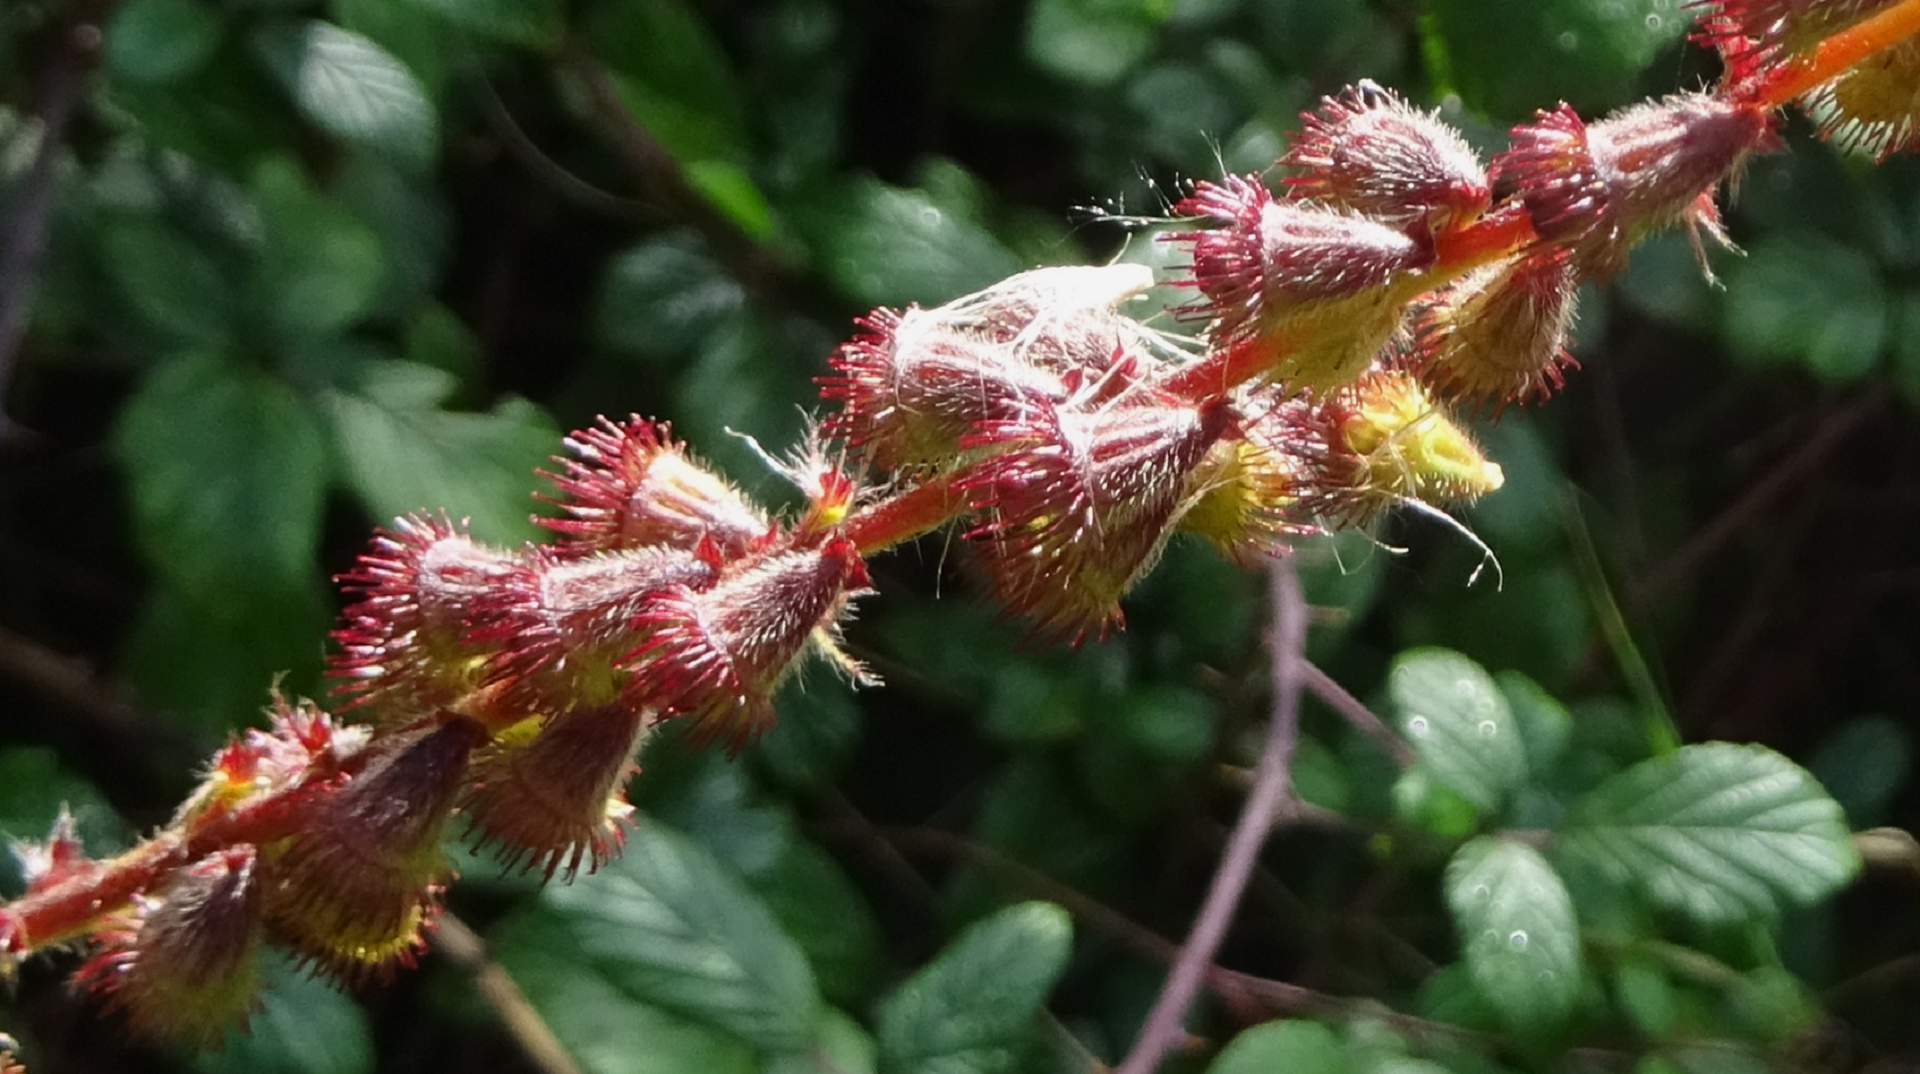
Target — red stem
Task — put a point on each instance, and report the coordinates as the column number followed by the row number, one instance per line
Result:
column 1833, row 56
column 905, row 515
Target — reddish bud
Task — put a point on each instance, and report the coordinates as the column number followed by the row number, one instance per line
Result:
column 550, row 796
column 562, row 628
column 55, row 860
column 184, row 965
column 405, row 647
column 1499, row 334
column 1370, row 151
column 631, row 485
column 1599, row 189
column 1317, row 291
column 352, row 888
column 715, row 656
column 1378, row 444
column 912, row 385
column 1084, row 505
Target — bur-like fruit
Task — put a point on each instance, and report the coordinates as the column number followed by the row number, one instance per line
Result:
column 1369, row 151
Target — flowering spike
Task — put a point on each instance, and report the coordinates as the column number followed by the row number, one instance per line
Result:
column 1316, row 291
column 404, row 645
column 1379, row 443
column 1085, row 505
column 351, row 889
column 183, row 964
column 1499, row 334
column 551, row 799
column 630, row 485
column 1598, row 189
column 714, row 657
column 1370, row 151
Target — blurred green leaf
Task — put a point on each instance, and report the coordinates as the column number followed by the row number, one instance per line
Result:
column 1864, row 763
column 843, row 1048
column 402, row 453
column 664, row 296
column 1718, row 832
column 320, row 269
column 209, row 664
column 227, row 471
column 535, row 24
column 970, row 1010
column 1509, row 57
column 303, row 1026
column 1544, row 724
column 159, row 41
column 1459, row 725
column 885, row 245
column 1295, row 1046
column 669, row 926
column 1517, row 933
column 818, row 731
column 353, row 89
column 411, row 223
column 1092, row 41
column 1804, row 297
column 818, row 905
column 605, row 1027
column 181, row 290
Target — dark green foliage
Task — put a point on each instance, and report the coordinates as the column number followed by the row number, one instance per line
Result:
column 317, row 263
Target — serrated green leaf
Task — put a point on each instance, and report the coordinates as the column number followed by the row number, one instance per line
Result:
column 970, row 1010
column 303, row 1026
column 605, row 1028
column 1517, row 933
column 819, row 906
column 1543, row 723
column 1458, row 723
column 320, row 268
column 1292, row 1046
column 353, row 89
column 668, row 925
column 402, row 453
column 1718, row 832
column 227, row 471
column 664, row 296
column 160, row 41
column 532, row 24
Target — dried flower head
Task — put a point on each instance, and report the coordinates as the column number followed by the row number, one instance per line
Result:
column 1598, row 189
column 548, row 795
column 1317, row 292
column 631, row 485
column 1084, row 505
column 350, row 891
column 1370, row 151
column 1498, row 335
column 183, row 965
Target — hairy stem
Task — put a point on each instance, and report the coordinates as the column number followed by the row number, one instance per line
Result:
column 1883, row 30
column 1271, row 789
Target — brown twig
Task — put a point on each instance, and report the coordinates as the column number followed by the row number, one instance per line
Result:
column 1271, row 789
column 465, row 949
column 1358, row 714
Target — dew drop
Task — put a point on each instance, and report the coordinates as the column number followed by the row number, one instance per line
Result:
column 1481, row 891
column 1653, row 22
column 1488, row 729
column 1568, row 41
column 1417, row 727
column 1517, row 940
